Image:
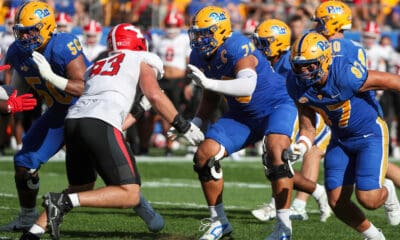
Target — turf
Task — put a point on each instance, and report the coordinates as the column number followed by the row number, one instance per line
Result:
column 173, row 189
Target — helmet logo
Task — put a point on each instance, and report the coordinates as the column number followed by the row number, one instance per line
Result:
column 278, row 29
column 334, row 9
column 323, row 45
column 42, row 13
column 218, row 16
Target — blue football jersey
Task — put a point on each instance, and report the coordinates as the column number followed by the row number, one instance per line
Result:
column 282, row 66
column 61, row 49
column 269, row 91
column 347, row 111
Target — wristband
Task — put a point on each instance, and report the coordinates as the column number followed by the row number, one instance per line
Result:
column 197, row 121
column 137, row 111
column 306, row 140
column 180, row 124
column 59, row 82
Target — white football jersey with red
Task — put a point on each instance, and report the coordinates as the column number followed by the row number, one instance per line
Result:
column 111, row 85
column 173, row 51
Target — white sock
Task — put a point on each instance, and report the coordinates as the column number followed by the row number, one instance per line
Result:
column 217, row 211
column 299, row 204
column 272, row 201
column 371, row 232
column 319, row 190
column 37, row 230
column 283, row 215
column 74, row 199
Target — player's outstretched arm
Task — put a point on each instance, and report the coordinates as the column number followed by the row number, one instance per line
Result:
column 381, row 81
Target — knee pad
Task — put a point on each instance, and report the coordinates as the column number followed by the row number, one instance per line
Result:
column 28, row 181
column 212, row 170
column 277, row 172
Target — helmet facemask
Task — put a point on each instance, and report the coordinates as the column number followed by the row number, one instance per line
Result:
column 203, row 41
column 29, row 37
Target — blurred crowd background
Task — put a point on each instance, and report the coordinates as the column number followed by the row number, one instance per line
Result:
column 376, row 24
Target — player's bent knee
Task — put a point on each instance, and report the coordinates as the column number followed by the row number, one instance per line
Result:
column 28, row 180
column 212, row 169
column 274, row 173
column 367, row 199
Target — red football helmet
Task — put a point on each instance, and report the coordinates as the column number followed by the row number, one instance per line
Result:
column 64, row 22
column 9, row 19
column 126, row 36
column 92, row 32
column 371, row 29
column 249, row 26
column 173, row 19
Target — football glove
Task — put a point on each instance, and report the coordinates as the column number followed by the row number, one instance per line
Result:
column 20, row 103
column 296, row 151
column 47, row 73
column 199, row 78
column 186, row 129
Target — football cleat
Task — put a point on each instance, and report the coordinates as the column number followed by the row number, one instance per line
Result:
column 22, row 223
column 392, row 205
column 29, row 236
column 153, row 220
column 216, row 228
column 298, row 214
column 56, row 207
column 324, row 207
column 265, row 213
column 281, row 232
column 380, row 236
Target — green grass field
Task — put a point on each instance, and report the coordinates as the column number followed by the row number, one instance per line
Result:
column 173, row 189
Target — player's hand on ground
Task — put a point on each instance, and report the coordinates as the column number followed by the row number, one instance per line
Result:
column 20, row 103
column 199, row 78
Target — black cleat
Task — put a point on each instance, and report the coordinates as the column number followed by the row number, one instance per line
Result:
column 29, row 236
column 56, row 205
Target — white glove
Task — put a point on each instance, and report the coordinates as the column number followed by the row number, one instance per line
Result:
column 296, row 151
column 145, row 103
column 194, row 135
column 172, row 133
column 46, row 72
column 199, row 78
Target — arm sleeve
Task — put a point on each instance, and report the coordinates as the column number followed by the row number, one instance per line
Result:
column 243, row 85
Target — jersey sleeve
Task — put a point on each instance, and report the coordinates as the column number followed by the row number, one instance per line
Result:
column 154, row 61
column 239, row 48
column 67, row 48
column 352, row 76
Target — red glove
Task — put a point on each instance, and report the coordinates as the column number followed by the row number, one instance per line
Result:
column 21, row 103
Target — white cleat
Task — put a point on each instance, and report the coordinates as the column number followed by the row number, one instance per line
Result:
column 392, row 205
column 281, row 232
column 265, row 213
column 22, row 223
column 380, row 236
column 298, row 214
column 324, row 207
column 215, row 228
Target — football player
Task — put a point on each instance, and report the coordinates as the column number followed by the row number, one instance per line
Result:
column 273, row 38
column 357, row 155
column 229, row 68
column 174, row 49
column 58, row 85
column 93, row 132
column 333, row 18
